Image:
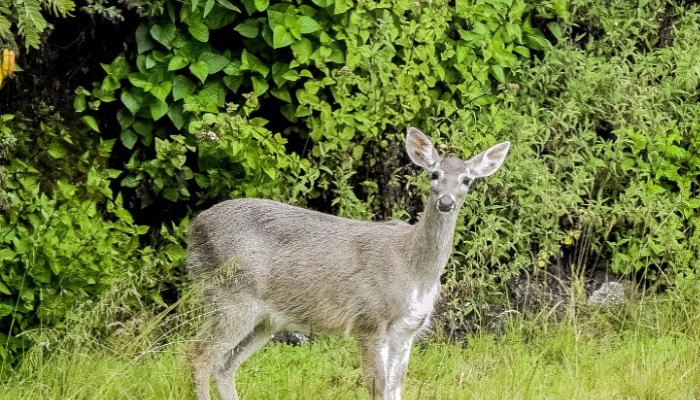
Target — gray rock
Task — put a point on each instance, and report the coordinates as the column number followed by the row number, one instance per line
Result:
column 291, row 338
column 608, row 294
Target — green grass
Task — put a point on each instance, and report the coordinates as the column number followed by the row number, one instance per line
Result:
column 596, row 356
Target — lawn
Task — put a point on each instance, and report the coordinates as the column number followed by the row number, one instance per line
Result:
column 600, row 355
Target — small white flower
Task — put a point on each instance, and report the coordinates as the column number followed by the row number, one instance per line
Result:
column 208, row 136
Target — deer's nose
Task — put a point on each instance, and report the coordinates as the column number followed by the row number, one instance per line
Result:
column 445, row 204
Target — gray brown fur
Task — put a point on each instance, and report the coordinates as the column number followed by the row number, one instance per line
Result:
column 267, row 266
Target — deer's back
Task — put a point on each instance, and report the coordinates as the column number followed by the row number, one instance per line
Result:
column 260, row 230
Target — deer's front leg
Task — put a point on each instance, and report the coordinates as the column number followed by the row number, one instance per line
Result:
column 399, row 354
column 375, row 355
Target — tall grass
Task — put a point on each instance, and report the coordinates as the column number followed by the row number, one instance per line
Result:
column 647, row 350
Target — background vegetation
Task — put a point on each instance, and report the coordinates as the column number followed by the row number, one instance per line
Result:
column 108, row 147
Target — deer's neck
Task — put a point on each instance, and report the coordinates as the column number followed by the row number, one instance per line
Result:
column 432, row 242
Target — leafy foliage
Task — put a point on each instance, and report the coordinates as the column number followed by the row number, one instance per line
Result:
column 349, row 72
column 29, row 18
column 604, row 169
column 63, row 241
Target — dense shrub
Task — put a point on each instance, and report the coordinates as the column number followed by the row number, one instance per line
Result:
column 64, row 236
column 346, row 80
column 604, row 169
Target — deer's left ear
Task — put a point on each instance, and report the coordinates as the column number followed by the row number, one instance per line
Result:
column 420, row 149
column 488, row 162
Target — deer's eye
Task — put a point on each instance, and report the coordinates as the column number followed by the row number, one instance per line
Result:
column 434, row 175
column 466, row 181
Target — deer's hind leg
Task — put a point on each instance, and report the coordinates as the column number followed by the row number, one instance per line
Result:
column 224, row 372
column 228, row 333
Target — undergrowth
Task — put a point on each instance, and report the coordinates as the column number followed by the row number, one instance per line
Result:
column 647, row 348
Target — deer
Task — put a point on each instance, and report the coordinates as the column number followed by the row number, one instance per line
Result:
column 266, row 266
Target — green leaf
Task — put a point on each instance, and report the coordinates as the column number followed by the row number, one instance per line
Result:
column 302, row 50
column 248, row 28
column 342, row 5
column 144, row 128
column 182, row 87
column 139, row 80
column 80, row 102
column 555, row 28
column 109, row 85
column 308, row 25
column 200, row 69
column 174, row 252
column 291, row 75
column 261, row 5
column 158, row 109
column 497, row 72
column 249, row 61
column 57, row 150
column 278, row 71
column 282, row 94
column 234, row 68
column 208, row 7
column 162, row 91
column 6, row 254
column 233, row 82
column 522, row 50
column 105, row 147
column 212, row 96
column 144, row 42
column 199, row 31
column 260, row 85
column 132, row 101
column 227, row 4
column 5, row 309
column 128, row 138
column 281, row 37
column 357, row 152
column 537, row 41
column 90, row 121
column 485, row 100
column 164, row 34
column 249, row 6
column 131, row 181
column 270, row 171
column 176, row 116
column 216, row 62
column 125, row 118
column 4, row 289
column 171, row 194
column 177, row 62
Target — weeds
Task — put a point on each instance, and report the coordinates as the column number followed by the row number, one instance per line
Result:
column 647, row 348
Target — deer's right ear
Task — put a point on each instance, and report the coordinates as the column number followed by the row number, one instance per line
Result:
column 420, row 149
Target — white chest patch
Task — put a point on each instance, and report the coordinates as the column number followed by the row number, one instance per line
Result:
column 421, row 307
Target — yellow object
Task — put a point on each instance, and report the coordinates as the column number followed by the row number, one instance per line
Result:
column 7, row 68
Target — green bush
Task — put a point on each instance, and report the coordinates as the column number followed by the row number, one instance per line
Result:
column 344, row 78
column 605, row 167
column 65, row 237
